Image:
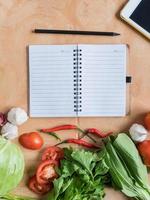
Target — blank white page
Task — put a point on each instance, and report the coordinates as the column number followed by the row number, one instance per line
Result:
column 103, row 80
column 51, row 80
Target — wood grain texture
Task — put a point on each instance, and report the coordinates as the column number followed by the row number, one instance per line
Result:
column 17, row 20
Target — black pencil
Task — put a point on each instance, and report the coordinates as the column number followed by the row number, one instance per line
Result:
column 77, row 32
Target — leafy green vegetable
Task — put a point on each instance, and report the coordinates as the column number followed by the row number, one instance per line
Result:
column 81, row 176
column 11, row 170
column 11, row 166
column 120, row 177
column 15, row 197
column 84, row 173
column 122, row 159
column 58, row 184
column 101, row 168
column 127, row 150
column 85, row 158
column 68, row 168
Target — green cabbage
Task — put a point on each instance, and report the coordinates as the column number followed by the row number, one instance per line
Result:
column 11, row 166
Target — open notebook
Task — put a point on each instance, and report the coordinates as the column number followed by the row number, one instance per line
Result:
column 77, row 80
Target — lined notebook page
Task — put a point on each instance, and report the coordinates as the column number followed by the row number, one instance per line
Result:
column 51, row 80
column 103, row 80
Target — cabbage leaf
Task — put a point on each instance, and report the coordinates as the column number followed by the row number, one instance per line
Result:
column 11, row 166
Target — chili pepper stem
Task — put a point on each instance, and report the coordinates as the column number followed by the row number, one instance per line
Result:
column 80, row 130
column 88, row 137
column 84, row 134
column 52, row 134
column 107, row 134
column 63, row 142
column 79, row 142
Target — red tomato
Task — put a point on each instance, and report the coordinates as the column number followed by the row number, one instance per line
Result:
column 144, row 150
column 31, row 140
column 53, row 153
column 147, row 121
column 38, row 188
column 46, row 172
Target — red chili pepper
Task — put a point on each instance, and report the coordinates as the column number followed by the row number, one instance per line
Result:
column 79, row 142
column 65, row 127
column 60, row 128
column 97, row 132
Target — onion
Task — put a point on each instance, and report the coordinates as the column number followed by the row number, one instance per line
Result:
column 3, row 119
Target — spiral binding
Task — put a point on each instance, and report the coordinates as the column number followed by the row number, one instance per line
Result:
column 77, row 66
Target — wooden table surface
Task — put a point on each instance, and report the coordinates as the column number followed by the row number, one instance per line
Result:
column 17, row 20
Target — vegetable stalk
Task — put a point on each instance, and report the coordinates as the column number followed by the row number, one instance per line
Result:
column 79, row 142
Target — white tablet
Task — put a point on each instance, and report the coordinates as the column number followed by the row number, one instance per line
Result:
column 137, row 14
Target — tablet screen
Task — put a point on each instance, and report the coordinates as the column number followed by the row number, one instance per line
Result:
column 141, row 15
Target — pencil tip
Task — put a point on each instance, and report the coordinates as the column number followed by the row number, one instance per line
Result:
column 115, row 34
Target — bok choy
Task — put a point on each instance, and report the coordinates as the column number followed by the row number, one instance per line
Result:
column 127, row 171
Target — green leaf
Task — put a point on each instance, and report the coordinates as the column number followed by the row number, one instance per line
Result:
column 51, row 195
column 11, row 166
column 122, row 177
column 58, row 184
column 116, row 168
column 101, row 169
column 128, row 152
column 72, row 191
column 67, row 153
column 85, row 158
column 66, row 185
column 84, row 175
column 68, row 168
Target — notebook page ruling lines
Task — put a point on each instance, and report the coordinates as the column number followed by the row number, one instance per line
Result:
column 51, row 80
column 103, row 80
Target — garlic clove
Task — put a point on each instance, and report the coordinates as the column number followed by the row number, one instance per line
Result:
column 138, row 133
column 9, row 131
column 17, row 116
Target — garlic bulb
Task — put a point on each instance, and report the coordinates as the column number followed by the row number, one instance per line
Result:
column 9, row 131
column 17, row 116
column 138, row 133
